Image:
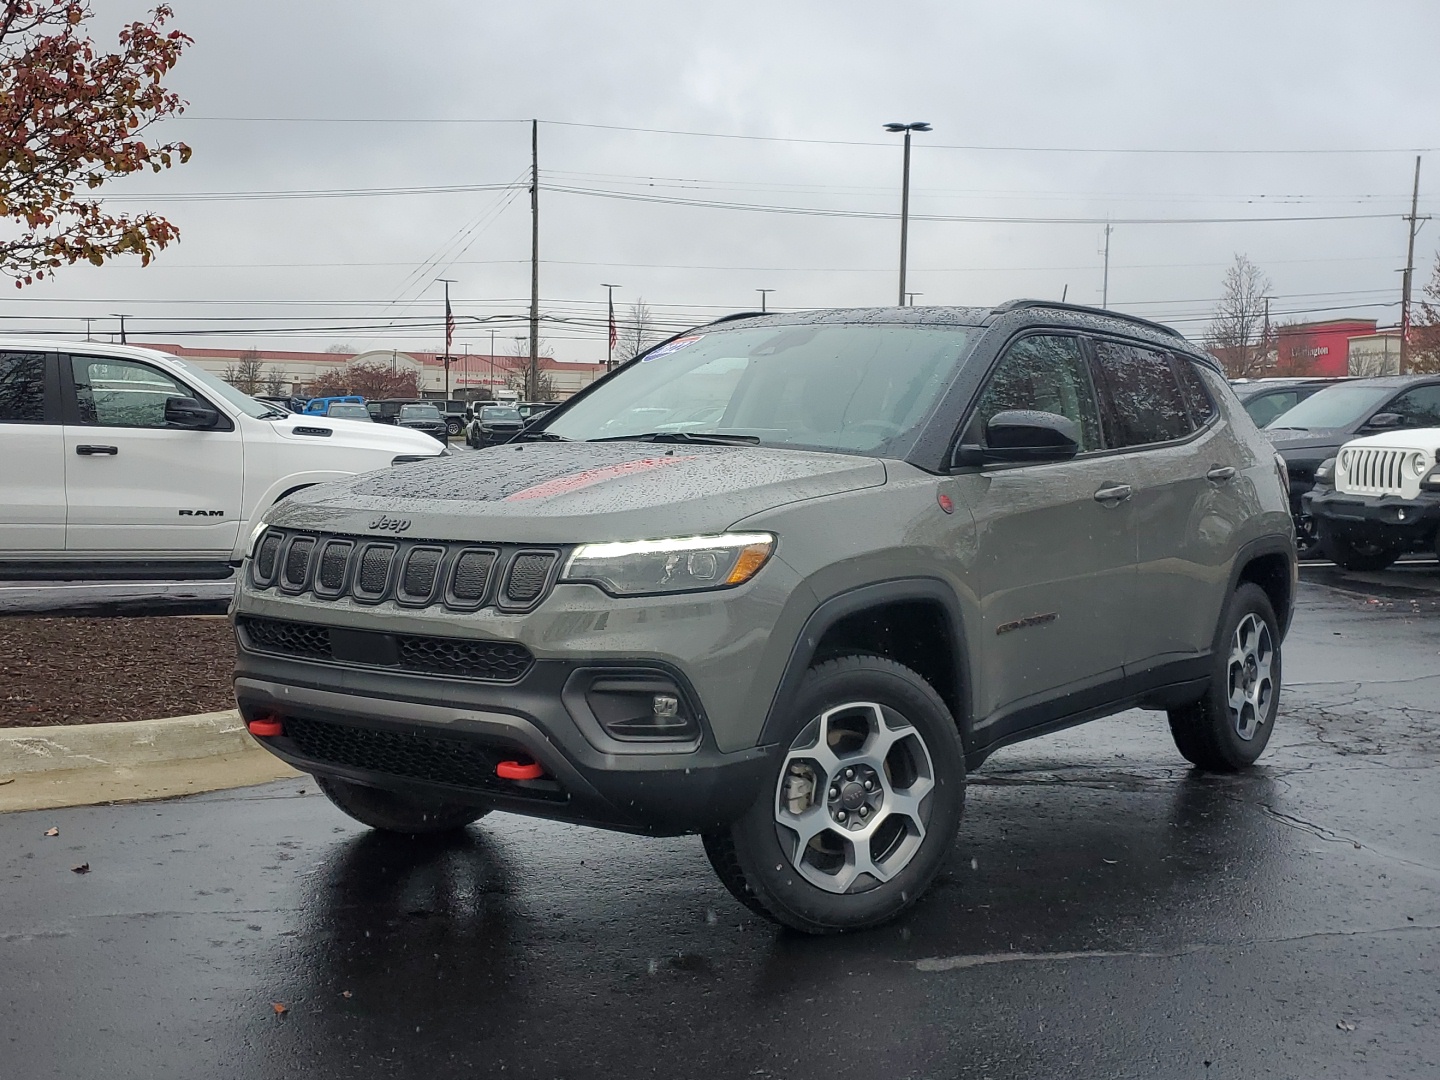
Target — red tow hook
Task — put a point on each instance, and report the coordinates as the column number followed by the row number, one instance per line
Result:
column 519, row 770
column 264, row 727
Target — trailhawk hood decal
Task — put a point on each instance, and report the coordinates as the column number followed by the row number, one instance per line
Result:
column 577, row 492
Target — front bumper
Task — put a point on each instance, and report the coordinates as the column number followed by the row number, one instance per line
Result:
column 444, row 737
column 1387, row 519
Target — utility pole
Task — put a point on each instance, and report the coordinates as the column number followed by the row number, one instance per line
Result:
column 910, row 302
column 1265, row 335
column 905, row 196
column 491, row 383
column 1414, row 221
column 1105, row 283
column 532, row 381
column 610, row 336
column 122, row 319
column 445, row 356
column 87, row 328
column 763, row 294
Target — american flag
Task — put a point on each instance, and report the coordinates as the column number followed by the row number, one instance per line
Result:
column 449, row 325
column 614, row 337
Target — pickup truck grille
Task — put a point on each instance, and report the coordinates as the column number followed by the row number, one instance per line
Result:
column 1372, row 471
column 411, row 573
column 461, row 658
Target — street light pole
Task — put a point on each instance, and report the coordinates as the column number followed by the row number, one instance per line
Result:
column 763, row 293
column 610, row 326
column 905, row 196
column 122, row 319
column 911, row 295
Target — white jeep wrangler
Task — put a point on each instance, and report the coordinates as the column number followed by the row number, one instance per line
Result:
column 120, row 462
column 1378, row 499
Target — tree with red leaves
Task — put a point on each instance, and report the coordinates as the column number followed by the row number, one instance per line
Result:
column 369, row 378
column 73, row 116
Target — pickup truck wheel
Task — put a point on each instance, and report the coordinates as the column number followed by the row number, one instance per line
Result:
column 863, row 807
column 1358, row 555
column 1228, row 728
column 390, row 811
column 452, row 428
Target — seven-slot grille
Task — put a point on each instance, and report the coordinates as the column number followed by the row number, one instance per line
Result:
column 412, row 573
column 1373, row 471
column 463, row 658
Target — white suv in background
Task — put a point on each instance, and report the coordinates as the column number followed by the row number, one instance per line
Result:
column 120, row 462
column 1378, row 499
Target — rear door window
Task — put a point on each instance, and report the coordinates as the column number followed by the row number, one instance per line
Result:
column 1420, row 407
column 1142, row 396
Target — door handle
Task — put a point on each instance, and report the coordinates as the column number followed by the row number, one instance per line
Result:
column 1220, row 473
column 1113, row 493
column 87, row 451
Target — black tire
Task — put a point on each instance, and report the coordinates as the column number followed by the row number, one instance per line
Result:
column 389, row 811
column 452, row 428
column 754, row 862
column 470, row 439
column 1210, row 734
column 1354, row 554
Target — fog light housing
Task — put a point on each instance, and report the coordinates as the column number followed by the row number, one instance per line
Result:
column 641, row 709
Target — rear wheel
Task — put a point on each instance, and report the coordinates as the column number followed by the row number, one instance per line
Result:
column 390, row 811
column 863, row 808
column 1230, row 726
column 452, row 428
column 1359, row 555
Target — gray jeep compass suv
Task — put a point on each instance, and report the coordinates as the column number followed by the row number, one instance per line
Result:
column 781, row 581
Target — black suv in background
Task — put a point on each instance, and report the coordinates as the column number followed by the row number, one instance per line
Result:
column 1265, row 399
column 1317, row 427
column 493, row 424
column 422, row 416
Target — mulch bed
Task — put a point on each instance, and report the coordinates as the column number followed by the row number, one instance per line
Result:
column 89, row 671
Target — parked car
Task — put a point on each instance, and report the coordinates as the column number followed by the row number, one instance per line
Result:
column 322, row 404
column 121, row 462
column 387, row 410
column 1378, row 499
column 1316, row 428
column 348, row 410
column 917, row 535
column 454, row 411
column 1266, row 399
column 422, row 416
column 493, row 424
column 288, row 402
column 529, row 410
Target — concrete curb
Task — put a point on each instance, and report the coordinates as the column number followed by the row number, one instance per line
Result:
column 141, row 759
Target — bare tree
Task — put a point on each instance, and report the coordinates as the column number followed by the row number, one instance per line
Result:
column 637, row 333
column 1237, row 336
column 1297, row 351
column 343, row 349
column 532, row 384
column 276, row 383
column 1423, row 355
column 247, row 373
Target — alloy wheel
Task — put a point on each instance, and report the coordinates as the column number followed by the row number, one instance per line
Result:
column 1251, row 676
column 851, row 806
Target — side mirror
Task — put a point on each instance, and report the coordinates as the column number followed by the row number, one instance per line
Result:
column 1023, row 435
column 186, row 412
column 1385, row 420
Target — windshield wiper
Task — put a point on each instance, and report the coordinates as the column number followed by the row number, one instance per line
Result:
column 1287, row 429
column 715, row 437
column 274, row 414
column 547, row 436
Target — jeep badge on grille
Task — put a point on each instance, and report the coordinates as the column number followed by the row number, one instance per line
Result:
column 397, row 525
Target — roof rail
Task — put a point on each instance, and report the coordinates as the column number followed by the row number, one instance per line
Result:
column 1016, row 305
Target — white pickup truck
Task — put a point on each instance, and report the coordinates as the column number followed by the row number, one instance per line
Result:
column 120, row 462
column 1378, row 499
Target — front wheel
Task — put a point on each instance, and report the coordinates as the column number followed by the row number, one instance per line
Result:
column 1228, row 728
column 1357, row 555
column 389, row 811
column 452, row 428
column 862, row 809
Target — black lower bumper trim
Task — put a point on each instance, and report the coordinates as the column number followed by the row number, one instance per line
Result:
column 1397, row 522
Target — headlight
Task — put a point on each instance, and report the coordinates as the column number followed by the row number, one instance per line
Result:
column 1325, row 473
column 1418, row 464
column 688, row 564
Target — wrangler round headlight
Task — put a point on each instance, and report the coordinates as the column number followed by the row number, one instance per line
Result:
column 683, row 564
column 1418, row 465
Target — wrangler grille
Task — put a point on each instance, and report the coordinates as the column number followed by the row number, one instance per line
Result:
column 1373, row 471
column 413, row 573
column 462, row 762
column 463, row 658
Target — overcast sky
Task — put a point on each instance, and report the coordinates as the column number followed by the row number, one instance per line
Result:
column 1034, row 107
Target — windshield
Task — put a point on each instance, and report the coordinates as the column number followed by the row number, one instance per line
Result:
column 495, row 412
column 419, row 412
column 848, row 388
column 348, row 411
column 261, row 410
column 1333, row 407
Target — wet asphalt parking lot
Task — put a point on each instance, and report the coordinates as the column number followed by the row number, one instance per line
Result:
column 1105, row 913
